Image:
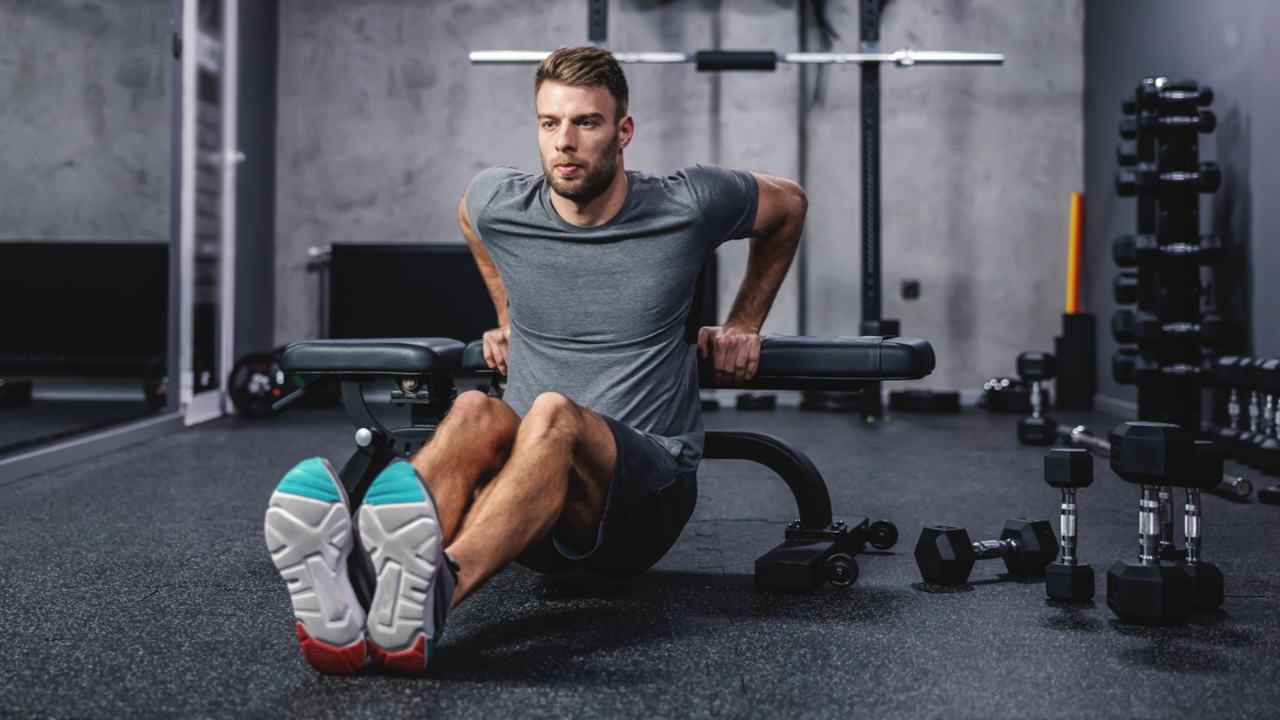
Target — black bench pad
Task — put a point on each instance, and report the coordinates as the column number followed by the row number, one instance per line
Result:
column 831, row 363
column 390, row 356
column 811, row 362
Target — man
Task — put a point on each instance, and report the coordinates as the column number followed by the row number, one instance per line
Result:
column 589, row 460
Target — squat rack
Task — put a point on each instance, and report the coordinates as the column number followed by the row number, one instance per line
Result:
column 869, row 58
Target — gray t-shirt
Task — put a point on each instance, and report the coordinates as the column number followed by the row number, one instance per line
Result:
column 597, row 313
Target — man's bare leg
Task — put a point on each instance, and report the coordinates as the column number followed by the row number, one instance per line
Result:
column 471, row 445
column 558, row 471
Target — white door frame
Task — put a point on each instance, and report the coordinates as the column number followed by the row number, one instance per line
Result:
column 222, row 58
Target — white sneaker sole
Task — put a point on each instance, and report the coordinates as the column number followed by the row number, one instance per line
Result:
column 405, row 543
column 310, row 541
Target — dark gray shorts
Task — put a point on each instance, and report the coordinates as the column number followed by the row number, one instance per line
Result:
column 650, row 499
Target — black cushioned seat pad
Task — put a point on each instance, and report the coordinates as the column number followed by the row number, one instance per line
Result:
column 812, row 362
column 831, row 362
column 388, row 356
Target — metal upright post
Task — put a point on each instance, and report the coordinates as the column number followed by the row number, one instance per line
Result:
column 872, row 324
column 598, row 23
column 869, row 21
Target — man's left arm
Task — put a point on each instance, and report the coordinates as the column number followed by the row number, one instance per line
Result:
column 774, row 238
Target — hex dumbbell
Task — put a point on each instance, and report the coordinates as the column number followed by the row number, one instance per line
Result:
column 1206, row 578
column 1146, row 251
column 1262, row 448
column 1125, row 288
column 1149, row 589
column 1038, row 429
column 1255, row 407
column 1146, row 178
column 1082, row 437
column 1226, row 373
column 1128, row 327
column 1129, row 367
column 1067, row 579
column 945, row 555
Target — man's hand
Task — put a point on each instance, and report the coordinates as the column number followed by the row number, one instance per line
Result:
column 736, row 349
column 495, row 348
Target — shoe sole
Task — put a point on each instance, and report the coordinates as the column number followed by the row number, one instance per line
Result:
column 309, row 535
column 400, row 529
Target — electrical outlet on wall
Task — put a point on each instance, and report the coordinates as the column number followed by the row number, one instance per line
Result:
column 910, row 289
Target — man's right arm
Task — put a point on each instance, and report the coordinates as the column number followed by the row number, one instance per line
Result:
column 495, row 341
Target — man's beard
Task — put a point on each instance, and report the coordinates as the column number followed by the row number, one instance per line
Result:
column 599, row 176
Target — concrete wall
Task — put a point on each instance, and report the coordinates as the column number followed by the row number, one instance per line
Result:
column 383, row 122
column 84, row 119
column 1228, row 45
column 978, row 164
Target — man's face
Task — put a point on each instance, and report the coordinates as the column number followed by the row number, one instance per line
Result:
column 579, row 139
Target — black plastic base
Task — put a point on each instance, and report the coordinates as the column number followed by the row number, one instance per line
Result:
column 1151, row 594
column 807, row 558
column 1069, row 583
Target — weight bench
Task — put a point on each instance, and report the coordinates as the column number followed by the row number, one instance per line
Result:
column 817, row 547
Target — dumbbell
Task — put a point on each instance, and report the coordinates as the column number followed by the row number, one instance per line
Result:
column 1254, row 407
column 1145, row 251
column 1039, row 429
column 945, row 555
column 1151, row 94
column 1125, row 288
column 1082, row 437
column 1150, row 589
column 1128, row 366
column 1262, row 448
column 1226, row 373
column 1144, row 328
column 1146, row 178
column 1066, row 579
column 1206, row 578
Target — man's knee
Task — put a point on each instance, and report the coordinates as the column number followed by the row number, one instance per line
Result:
column 475, row 414
column 550, row 415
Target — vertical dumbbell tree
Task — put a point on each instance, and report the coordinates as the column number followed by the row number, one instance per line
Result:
column 1159, row 158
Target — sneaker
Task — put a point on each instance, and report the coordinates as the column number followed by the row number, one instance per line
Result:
column 308, row 530
column 400, row 529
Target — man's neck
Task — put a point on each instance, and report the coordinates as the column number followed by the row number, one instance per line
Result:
column 593, row 212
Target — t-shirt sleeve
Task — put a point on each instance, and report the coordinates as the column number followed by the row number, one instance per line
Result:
column 727, row 201
column 481, row 190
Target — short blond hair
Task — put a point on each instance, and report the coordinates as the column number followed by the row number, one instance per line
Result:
column 585, row 66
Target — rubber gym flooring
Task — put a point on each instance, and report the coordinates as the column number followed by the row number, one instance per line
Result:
column 138, row 585
column 44, row 421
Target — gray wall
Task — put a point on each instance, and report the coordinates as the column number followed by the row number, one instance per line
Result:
column 383, row 122
column 84, row 119
column 1230, row 46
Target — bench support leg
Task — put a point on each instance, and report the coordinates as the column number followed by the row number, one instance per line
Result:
column 818, row 547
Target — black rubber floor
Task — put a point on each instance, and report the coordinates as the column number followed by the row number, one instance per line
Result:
column 44, row 421
column 138, row 584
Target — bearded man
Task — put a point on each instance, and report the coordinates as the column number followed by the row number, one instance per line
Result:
column 590, row 458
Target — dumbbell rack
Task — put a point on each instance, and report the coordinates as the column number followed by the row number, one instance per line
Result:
column 1159, row 159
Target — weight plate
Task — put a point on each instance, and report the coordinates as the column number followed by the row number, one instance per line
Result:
column 256, row 384
column 924, row 401
column 155, row 384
